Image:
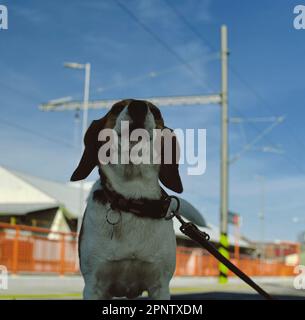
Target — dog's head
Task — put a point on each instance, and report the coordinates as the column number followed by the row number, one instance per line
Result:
column 140, row 115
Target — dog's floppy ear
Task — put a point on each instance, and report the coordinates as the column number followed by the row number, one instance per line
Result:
column 169, row 173
column 90, row 155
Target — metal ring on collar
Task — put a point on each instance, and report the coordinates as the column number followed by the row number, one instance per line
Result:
column 113, row 223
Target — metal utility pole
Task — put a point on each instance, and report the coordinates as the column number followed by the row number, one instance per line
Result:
column 85, row 107
column 167, row 101
column 86, row 99
column 224, row 243
column 84, row 129
column 261, row 214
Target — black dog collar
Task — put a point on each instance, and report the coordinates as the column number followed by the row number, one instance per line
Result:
column 144, row 208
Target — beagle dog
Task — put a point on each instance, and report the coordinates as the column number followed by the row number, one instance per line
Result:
column 126, row 244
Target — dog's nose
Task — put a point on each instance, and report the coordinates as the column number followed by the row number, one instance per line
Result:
column 137, row 110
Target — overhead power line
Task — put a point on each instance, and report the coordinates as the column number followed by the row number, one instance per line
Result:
column 189, row 25
column 179, row 15
column 249, row 145
column 153, row 74
column 290, row 160
column 36, row 133
column 161, row 42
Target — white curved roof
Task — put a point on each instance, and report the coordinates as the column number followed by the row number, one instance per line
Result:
column 21, row 193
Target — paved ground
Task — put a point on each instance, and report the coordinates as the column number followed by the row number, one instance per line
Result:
column 70, row 287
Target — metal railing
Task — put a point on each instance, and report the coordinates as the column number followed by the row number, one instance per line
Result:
column 32, row 249
column 25, row 249
column 197, row 262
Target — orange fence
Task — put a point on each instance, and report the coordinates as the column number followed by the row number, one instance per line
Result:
column 198, row 262
column 25, row 249
column 32, row 249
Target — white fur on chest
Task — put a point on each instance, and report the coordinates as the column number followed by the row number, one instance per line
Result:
column 140, row 255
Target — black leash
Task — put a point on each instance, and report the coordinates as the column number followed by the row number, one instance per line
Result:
column 192, row 231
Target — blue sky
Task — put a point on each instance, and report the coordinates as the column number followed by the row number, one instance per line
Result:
column 266, row 52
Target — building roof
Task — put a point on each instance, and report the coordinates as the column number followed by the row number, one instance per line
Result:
column 20, row 209
column 21, row 193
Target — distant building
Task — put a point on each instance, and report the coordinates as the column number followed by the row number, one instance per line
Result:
column 277, row 250
column 33, row 201
column 301, row 237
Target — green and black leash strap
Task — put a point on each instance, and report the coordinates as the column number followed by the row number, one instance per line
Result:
column 202, row 238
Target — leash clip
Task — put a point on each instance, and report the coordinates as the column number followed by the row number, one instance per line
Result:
column 174, row 212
